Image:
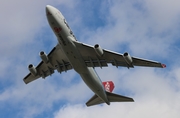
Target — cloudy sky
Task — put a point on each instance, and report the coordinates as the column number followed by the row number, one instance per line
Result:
column 144, row 28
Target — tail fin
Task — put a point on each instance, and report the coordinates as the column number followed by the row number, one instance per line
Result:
column 109, row 86
column 111, row 97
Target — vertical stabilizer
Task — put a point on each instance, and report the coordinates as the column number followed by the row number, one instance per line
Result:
column 109, row 86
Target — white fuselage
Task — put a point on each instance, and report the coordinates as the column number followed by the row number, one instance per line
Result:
column 66, row 40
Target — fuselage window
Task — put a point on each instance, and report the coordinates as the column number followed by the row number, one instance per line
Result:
column 69, row 29
column 66, row 23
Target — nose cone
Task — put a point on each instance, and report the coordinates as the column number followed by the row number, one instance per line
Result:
column 50, row 10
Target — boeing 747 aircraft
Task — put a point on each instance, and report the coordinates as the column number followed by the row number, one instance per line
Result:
column 71, row 54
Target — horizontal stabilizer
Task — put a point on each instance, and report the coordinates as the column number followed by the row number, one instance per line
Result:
column 94, row 101
column 111, row 97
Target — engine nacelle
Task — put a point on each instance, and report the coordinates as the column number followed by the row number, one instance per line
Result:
column 127, row 58
column 98, row 50
column 32, row 69
column 44, row 57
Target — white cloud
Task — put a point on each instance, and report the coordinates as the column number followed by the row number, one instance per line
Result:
column 135, row 25
column 153, row 94
column 23, row 27
column 149, row 29
column 142, row 109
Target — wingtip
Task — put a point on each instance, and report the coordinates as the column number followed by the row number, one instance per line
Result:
column 25, row 81
column 163, row 65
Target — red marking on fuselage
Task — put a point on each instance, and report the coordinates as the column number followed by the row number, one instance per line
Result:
column 57, row 29
column 49, row 13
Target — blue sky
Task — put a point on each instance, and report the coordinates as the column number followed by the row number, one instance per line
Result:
column 147, row 29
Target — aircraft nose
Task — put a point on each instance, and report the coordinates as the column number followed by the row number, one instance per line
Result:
column 49, row 10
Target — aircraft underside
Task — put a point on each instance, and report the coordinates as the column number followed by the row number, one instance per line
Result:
column 71, row 54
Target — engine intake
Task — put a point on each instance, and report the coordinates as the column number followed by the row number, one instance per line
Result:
column 128, row 58
column 32, row 69
column 98, row 50
column 44, row 57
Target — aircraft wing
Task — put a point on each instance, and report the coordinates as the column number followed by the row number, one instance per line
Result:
column 56, row 61
column 92, row 59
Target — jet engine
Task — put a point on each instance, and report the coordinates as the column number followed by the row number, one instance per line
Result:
column 32, row 69
column 98, row 50
column 44, row 57
column 127, row 58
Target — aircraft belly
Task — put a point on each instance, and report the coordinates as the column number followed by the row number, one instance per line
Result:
column 94, row 83
column 66, row 39
column 74, row 58
column 88, row 74
column 91, row 80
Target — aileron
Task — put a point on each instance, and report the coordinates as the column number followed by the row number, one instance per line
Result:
column 146, row 63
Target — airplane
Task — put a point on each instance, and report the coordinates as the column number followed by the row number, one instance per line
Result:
column 71, row 54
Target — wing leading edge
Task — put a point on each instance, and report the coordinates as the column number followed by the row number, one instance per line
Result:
column 92, row 59
column 58, row 61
